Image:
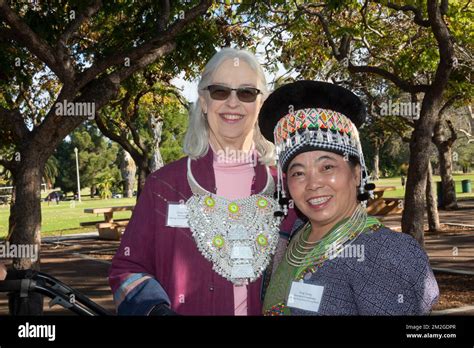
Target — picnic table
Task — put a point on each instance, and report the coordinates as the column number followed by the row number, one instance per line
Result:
column 109, row 228
column 384, row 206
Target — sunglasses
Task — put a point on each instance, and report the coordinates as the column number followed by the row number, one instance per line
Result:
column 245, row 94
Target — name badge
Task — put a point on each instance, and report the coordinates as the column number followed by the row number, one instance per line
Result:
column 305, row 296
column 177, row 215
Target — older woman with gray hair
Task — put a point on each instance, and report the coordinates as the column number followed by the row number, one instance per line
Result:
column 206, row 226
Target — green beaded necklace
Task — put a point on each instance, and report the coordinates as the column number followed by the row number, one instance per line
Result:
column 303, row 254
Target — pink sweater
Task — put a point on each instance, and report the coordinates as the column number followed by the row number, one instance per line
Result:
column 234, row 175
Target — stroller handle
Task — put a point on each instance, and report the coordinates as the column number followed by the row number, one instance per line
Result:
column 17, row 285
column 24, row 282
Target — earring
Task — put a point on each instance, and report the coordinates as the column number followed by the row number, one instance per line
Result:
column 364, row 191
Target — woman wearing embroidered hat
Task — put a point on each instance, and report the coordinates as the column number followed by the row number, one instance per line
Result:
column 204, row 228
column 341, row 261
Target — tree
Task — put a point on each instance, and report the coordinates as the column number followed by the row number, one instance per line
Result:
column 411, row 47
column 136, row 118
column 128, row 170
column 84, row 51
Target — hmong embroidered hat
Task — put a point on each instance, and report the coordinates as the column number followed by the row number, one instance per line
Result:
column 312, row 115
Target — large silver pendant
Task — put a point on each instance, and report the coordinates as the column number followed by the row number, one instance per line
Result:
column 238, row 236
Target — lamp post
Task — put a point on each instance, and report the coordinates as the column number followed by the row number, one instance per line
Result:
column 78, row 181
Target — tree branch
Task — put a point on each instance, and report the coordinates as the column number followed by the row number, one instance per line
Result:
column 22, row 33
column 120, row 139
column 448, row 104
column 343, row 51
column 400, row 83
column 418, row 19
column 145, row 54
column 12, row 120
column 363, row 12
column 165, row 16
column 6, row 34
column 10, row 165
column 76, row 23
column 452, row 138
column 133, row 116
column 445, row 47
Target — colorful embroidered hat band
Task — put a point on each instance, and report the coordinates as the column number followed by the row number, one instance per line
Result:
column 317, row 129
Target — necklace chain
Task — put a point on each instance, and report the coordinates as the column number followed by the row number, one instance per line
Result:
column 302, row 253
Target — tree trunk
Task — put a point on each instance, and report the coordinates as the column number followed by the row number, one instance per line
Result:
column 376, row 163
column 446, row 173
column 431, row 204
column 143, row 172
column 25, row 228
column 11, row 218
column 413, row 212
column 445, row 155
column 27, row 199
column 156, row 161
column 128, row 169
column 93, row 190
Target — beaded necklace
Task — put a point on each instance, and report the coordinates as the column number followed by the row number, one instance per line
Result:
column 238, row 236
column 303, row 254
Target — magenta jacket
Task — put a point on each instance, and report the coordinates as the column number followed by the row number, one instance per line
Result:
column 156, row 263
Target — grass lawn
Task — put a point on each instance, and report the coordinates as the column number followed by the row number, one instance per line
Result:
column 65, row 217
column 400, row 190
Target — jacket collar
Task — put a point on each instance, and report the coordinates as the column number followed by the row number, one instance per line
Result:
column 205, row 176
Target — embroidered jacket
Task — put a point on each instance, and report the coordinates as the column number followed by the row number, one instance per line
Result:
column 156, row 263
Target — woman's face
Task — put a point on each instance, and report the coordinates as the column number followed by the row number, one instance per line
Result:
column 232, row 121
column 323, row 186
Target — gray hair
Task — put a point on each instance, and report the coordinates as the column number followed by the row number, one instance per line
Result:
column 196, row 140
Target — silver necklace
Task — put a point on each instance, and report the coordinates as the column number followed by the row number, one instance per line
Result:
column 238, row 236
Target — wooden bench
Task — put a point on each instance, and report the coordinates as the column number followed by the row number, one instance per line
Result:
column 384, row 206
column 109, row 228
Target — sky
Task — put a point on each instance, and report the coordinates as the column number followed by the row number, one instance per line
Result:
column 189, row 88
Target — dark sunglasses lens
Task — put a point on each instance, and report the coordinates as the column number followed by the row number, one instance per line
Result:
column 219, row 92
column 247, row 94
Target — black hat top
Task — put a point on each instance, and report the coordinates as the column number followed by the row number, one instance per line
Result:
column 309, row 94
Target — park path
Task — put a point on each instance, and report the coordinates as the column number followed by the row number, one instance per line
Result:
column 453, row 251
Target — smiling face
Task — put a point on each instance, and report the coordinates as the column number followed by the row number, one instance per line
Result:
column 232, row 121
column 323, row 186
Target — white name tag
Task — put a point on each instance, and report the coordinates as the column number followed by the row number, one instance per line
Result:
column 305, row 296
column 241, row 252
column 177, row 215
